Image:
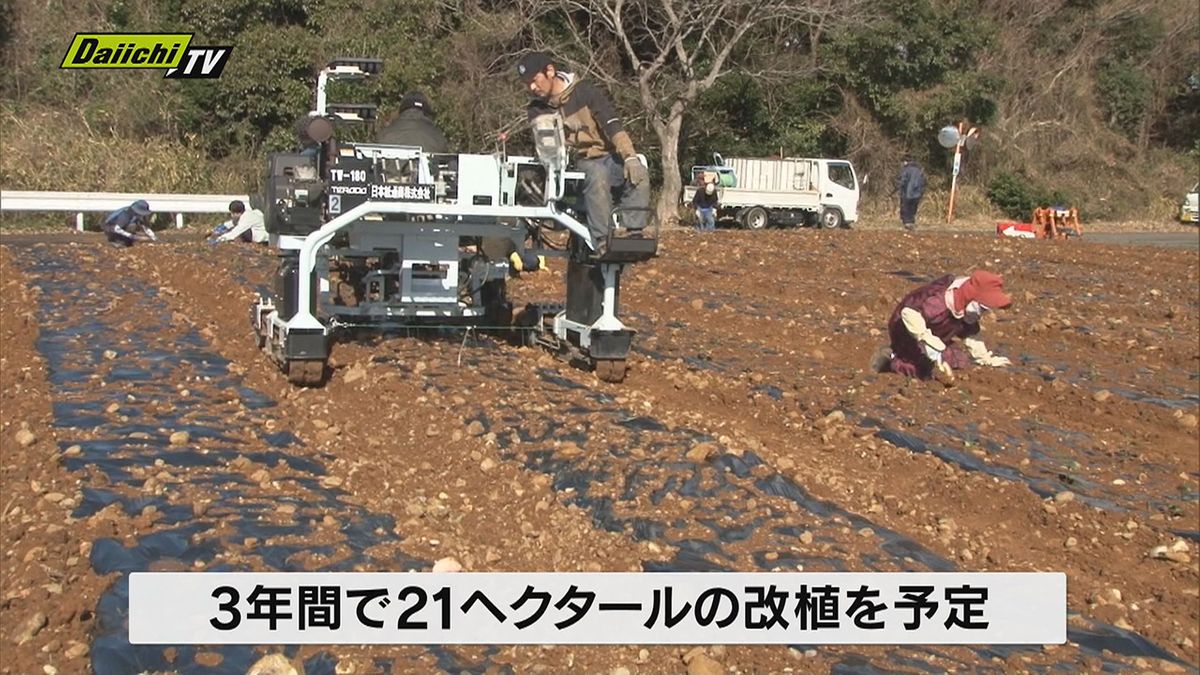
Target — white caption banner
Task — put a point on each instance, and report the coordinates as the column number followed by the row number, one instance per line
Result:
column 597, row 608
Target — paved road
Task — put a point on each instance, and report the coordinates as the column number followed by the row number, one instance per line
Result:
column 1166, row 239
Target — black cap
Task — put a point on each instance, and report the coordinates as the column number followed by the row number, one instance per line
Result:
column 415, row 99
column 531, row 64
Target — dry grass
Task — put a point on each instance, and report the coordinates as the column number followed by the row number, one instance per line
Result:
column 54, row 150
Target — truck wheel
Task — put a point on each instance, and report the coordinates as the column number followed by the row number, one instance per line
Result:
column 755, row 218
column 831, row 219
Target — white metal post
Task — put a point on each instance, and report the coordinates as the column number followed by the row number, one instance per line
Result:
column 322, row 82
column 962, row 141
column 954, row 174
column 79, row 222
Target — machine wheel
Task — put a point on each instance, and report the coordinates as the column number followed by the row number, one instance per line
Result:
column 306, row 373
column 755, row 218
column 611, row 370
column 831, row 219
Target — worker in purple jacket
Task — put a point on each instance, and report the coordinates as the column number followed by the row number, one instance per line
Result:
column 928, row 320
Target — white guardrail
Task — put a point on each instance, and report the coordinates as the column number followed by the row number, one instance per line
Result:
column 92, row 202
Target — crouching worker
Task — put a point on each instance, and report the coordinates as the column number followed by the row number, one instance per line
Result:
column 244, row 225
column 924, row 325
column 129, row 224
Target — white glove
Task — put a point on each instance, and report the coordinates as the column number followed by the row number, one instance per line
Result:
column 983, row 355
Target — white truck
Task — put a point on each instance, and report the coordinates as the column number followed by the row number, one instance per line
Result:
column 789, row 191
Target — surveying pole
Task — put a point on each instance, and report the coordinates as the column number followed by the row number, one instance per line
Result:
column 958, row 146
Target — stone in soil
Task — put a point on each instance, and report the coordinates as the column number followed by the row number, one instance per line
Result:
column 31, row 628
column 702, row 664
column 446, row 565
column 273, row 664
column 701, row 452
column 25, row 438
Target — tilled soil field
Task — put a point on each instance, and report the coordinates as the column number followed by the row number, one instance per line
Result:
column 142, row 430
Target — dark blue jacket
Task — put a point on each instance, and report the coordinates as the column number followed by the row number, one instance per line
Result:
column 703, row 200
column 911, row 183
column 124, row 218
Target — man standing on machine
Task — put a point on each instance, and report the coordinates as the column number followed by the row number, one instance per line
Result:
column 604, row 152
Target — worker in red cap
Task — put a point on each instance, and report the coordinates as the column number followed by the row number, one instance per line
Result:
column 929, row 318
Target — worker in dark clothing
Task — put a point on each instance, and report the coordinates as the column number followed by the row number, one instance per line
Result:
column 910, row 185
column 706, row 201
column 603, row 149
column 414, row 126
column 129, row 224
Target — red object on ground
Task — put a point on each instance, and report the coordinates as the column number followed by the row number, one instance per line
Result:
column 1020, row 230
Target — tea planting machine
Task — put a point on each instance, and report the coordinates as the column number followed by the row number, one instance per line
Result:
column 375, row 236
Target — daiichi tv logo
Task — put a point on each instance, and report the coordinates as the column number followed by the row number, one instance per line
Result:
column 172, row 52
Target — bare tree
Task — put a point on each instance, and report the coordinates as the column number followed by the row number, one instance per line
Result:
column 671, row 51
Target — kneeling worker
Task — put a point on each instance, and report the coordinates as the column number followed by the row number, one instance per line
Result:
column 929, row 318
column 127, row 225
column 248, row 226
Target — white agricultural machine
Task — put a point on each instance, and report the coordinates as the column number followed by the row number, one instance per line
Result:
column 382, row 237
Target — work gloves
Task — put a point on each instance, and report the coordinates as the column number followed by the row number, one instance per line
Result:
column 982, row 355
column 636, row 172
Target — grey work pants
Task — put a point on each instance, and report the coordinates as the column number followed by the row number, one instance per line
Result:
column 600, row 176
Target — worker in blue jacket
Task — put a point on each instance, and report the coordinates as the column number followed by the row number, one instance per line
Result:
column 129, row 224
column 910, row 185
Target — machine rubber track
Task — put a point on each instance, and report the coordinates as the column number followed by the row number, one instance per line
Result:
column 306, row 373
column 611, row 370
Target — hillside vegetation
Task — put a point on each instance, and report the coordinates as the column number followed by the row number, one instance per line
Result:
column 1092, row 101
